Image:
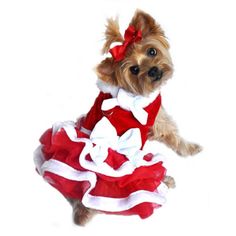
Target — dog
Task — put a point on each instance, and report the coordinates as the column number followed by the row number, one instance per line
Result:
column 146, row 67
column 139, row 66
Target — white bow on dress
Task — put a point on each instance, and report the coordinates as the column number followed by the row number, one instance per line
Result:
column 104, row 136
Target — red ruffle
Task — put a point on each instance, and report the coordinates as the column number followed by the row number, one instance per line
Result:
column 61, row 148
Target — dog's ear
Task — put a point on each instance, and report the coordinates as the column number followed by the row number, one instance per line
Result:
column 106, row 70
column 112, row 34
column 149, row 27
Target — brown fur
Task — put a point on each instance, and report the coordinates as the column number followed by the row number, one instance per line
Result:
column 118, row 74
column 112, row 34
column 165, row 130
column 149, row 27
column 169, row 181
column 81, row 214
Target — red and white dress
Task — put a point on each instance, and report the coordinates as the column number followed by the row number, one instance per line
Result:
column 100, row 160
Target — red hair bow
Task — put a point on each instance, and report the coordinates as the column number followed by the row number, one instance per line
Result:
column 131, row 36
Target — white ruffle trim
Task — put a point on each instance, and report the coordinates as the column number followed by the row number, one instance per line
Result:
column 104, row 136
column 126, row 145
column 97, row 202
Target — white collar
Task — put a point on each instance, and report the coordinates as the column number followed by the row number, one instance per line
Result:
column 113, row 90
column 107, row 88
column 127, row 100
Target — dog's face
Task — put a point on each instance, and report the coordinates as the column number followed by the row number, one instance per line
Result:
column 147, row 63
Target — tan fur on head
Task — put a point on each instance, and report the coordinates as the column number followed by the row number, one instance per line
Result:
column 112, row 34
column 120, row 74
column 149, row 27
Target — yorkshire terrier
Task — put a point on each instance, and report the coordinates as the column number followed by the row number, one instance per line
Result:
column 147, row 66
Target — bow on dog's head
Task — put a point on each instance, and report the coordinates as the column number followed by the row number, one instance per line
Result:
column 131, row 36
column 141, row 62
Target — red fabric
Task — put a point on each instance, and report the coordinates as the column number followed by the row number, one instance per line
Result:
column 131, row 36
column 64, row 150
column 61, row 148
column 121, row 119
column 95, row 114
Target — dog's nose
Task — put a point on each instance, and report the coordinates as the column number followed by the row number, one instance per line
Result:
column 153, row 72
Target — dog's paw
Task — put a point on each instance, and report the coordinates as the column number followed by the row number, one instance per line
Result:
column 82, row 215
column 188, row 149
column 169, row 181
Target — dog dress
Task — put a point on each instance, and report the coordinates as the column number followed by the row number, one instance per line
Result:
column 101, row 159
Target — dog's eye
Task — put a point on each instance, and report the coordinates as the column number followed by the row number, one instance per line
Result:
column 151, row 52
column 134, row 70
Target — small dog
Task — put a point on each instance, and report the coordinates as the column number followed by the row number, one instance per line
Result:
column 146, row 67
column 99, row 163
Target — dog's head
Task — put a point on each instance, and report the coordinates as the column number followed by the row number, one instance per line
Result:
column 142, row 64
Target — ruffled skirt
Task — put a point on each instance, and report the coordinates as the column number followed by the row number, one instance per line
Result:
column 115, row 184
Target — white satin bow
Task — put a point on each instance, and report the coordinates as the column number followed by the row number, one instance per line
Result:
column 104, row 135
column 131, row 102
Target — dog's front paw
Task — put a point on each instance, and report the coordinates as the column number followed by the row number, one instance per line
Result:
column 188, row 149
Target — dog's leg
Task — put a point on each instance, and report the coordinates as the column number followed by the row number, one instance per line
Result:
column 81, row 214
column 169, row 181
column 165, row 130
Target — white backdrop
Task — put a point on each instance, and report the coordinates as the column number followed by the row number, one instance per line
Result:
column 48, row 50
